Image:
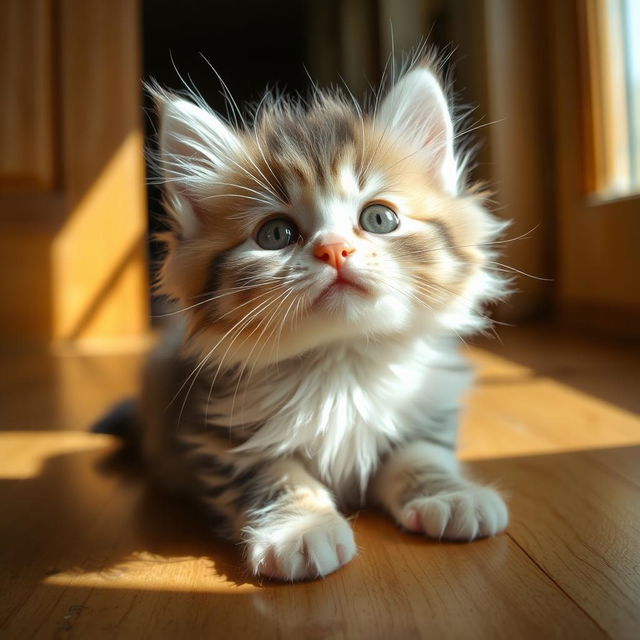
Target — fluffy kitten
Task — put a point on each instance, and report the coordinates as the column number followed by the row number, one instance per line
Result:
column 325, row 261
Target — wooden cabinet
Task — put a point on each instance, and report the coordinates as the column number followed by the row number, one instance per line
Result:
column 73, row 231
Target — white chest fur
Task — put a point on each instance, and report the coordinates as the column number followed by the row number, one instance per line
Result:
column 342, row 407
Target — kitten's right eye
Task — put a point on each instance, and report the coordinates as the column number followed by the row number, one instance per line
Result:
column 277, row 233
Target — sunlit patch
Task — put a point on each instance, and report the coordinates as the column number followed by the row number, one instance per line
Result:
column 25, row 453
column 542, row 423
column 145, row 571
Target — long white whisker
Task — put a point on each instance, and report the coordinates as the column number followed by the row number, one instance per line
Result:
column 261, row 308
column 272, row 316
column 301, row 299
column 229, row 292
column 506, row 268
column 237, row 195
column 199, row 366
column 227, row 92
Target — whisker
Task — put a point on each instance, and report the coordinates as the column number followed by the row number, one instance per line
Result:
column 236, row 195
column 198, row 367
column 458, row 295
column 507, row 269
column 411, row 295
column 229, row 292
column 248, row 358
column 263, row 307
column 227, row 93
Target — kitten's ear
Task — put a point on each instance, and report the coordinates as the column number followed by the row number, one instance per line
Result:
column 416, row 111
column 195, row 146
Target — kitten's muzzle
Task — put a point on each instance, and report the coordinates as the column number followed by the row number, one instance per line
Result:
column 334, row 254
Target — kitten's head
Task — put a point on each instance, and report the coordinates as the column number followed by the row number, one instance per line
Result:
column 319, row 223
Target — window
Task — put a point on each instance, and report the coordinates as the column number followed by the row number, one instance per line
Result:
column 613, row 81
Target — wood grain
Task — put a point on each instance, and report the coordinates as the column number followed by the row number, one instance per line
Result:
column 586, row 535
column 516, row 77
column 605, row 93
column 89, row 549
column 73, row 262
column 598, row 280
column 162, row 574
column 27, row 114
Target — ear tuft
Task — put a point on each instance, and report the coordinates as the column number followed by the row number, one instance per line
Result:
column 415, row 110
column 195, row 146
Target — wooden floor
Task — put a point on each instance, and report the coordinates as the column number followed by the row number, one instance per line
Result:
column 88, row 550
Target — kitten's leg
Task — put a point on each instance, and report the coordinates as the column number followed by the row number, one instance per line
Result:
column 287, row 519
column 421, row 486
column 295, row 532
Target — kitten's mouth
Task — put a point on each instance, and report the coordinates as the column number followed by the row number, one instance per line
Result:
column 340, row 286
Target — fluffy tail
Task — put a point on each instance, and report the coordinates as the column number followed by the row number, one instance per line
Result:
column 121, row 421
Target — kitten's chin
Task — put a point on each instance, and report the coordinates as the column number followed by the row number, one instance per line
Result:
column 342, row 291
column 345, row 312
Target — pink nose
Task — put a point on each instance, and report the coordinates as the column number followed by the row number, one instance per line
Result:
column 334, row 254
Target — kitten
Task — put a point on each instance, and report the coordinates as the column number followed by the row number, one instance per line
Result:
column 325, row 261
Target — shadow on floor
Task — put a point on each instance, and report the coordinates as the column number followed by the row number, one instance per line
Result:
column 601, row 367
column 92, row 512
column 76, row 504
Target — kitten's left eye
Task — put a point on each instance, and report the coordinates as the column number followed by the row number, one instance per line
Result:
column 277, row 233
column 377, row 218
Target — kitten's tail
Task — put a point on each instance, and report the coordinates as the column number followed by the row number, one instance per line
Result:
column 122, row 421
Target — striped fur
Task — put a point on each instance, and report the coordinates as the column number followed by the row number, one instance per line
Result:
column 289, row 398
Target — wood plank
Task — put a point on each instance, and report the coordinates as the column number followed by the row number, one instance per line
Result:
column 547, row 416
column 541, row 390
column 600, row 366
column 41, row 390
column 89, row 550
column 580, row 522
column 624, row 464
column 96, row 554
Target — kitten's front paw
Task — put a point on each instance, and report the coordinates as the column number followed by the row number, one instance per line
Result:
column 301, row 546
column 464, row 514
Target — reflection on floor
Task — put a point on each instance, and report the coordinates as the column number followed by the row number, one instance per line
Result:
column 89, row 550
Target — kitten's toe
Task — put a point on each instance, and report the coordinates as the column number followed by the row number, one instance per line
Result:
column 301, row 547
column 465, row 514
